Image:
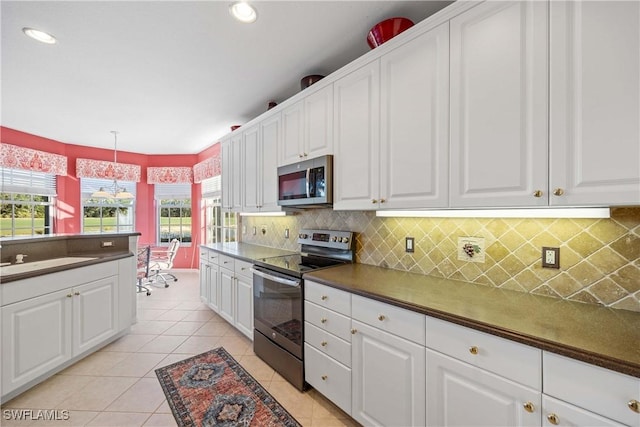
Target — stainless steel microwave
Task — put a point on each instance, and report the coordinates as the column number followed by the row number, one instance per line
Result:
column 306, row 184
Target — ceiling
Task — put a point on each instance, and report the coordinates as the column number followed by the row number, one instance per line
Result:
column 171, row 76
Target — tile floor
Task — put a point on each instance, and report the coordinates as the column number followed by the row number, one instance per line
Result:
column 117, row 385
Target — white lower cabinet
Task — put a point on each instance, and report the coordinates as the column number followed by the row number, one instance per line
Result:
column 388, row 375
column 389, row 366
column 559, row 413
column 460, row 394
column 327, row 347
column 243, row 299
column 226, row 294
column 95, row 313
column 598, row 391
column 234, row 293
column 38, row 333
column 42, row 330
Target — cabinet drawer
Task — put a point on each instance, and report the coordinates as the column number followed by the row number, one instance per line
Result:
column 558, row 413
column 326, row 296
column 226, row 261
column 243, row 268
column 512, row 360
column 328, row 344
column 395, row 320
column 213, row 257
column 329, row 377
column 591, row 387
column 328, row 320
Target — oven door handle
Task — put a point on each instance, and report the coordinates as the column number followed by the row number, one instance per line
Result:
column 281, row 280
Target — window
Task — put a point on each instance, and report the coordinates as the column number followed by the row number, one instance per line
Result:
column 220, row 225
column 106, row 215
column 174, row 212
column 27, row 203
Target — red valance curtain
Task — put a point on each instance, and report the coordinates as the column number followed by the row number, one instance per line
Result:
column 169, row 175
column 88, row 168
column 207, row 169
column 14, row 157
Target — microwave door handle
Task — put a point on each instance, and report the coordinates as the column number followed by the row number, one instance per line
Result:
column 281, row 280
column 308, row 183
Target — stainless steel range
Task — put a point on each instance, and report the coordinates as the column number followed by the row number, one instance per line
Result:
column 278, row 298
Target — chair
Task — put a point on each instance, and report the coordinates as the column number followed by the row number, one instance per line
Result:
column 161, row 261
column 142, row 271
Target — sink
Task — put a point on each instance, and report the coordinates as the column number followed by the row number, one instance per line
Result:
column 41, row 265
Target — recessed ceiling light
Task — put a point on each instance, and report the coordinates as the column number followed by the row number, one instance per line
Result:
column 243, row 12
column 41, row 36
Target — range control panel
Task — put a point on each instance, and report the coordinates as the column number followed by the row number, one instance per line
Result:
column 326, row 238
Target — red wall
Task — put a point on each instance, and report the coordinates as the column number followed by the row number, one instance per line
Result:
column 68, row 208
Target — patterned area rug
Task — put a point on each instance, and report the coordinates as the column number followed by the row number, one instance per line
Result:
column 212, row 389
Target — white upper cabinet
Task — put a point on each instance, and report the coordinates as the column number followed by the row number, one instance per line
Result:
column 391, row 127
column 499, row 105
column 595, row 103
column 414, row 123
column 292, row 134
column 227, row 178
column 318, row 123
column 271, row 135
column 231, row 153
column 308, row 127
column 356, row 162
column 252, row 164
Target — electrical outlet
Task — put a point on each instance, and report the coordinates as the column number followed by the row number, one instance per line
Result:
column 409, row 244
column 244, row 229
column 471, row 249
column 550, row 257
column 254, row 231
column 286, row 233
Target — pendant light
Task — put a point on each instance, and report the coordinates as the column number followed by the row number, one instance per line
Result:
column 118, row 192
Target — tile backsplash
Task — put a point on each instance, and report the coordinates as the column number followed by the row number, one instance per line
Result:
column 599, row 258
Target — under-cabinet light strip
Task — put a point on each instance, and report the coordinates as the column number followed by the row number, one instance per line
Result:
column 501, row 213
column 281, row 213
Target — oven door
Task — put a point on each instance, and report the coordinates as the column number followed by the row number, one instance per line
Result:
column 277, row 308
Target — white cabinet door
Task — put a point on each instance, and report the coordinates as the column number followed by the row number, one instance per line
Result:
column 414, row 123
column 318, row 123
column 459, row 394
column 36, row 337
column 558, row 413
column 271, row 136
column 227, row 176
column 252, row 166
column 243, row 314
column 213, row 292
column 237, row 178
column 499, row 105
column 291, row 149
column 204, row 281
column 226, row 295
column 95, row 313
column 356, row 162
column 388, row 379
column 595, row 103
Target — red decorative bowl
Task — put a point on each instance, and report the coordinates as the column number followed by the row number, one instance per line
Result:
column 309, row 80
column 234, row 127
column 386, row 30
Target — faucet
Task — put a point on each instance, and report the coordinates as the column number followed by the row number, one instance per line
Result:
column 20, row 258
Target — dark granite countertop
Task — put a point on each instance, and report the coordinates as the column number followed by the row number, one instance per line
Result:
column 246, row 251
column 101, row 247
column 598, row 335
column 99, row 258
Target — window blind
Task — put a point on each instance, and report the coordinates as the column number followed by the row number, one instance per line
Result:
column 20, row 181
column 172, row 191
column 211, row 187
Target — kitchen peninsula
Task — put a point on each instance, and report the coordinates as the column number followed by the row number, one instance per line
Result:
column 70, row 296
